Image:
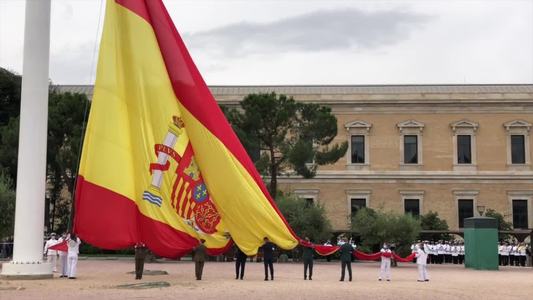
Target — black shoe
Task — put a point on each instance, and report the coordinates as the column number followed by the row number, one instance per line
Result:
column 305, row 278
column 388, row 279
column 241, row 278
column 236, row 277
column 341, row 280
column 350, row 279
column 379, row 279
column 72, row 278
column 426, row 280
column 266, row 279
column 420, row 280
column 310, row 278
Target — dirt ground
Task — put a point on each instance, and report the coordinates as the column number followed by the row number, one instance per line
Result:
column 97, row 279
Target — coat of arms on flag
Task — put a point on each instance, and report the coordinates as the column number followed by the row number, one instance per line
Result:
column 189, row 196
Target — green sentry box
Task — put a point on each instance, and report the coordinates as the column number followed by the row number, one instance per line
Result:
column 481, row 243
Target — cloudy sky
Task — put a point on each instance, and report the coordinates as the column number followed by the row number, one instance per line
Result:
column 309, row 42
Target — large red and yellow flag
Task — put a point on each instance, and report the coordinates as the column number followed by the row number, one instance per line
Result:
column 160, row 163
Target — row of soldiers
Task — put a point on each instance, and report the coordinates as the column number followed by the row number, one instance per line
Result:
column 443, row 251
column 513, row 254
column 509, row 253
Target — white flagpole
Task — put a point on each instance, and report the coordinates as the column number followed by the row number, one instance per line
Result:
column 27, row 260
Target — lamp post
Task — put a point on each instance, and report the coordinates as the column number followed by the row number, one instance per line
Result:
column 480, row 210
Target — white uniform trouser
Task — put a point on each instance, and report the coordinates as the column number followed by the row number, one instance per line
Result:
column 385, row 268
column 72, row 263
column 64, row 264
column 52, row 258
column 422, row 272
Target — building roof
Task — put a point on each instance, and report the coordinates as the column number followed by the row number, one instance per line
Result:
column 344, row 93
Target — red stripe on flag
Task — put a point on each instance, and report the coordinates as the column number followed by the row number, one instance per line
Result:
column 112, row 221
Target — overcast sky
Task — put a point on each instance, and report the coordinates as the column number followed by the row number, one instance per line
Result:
column 309, row 42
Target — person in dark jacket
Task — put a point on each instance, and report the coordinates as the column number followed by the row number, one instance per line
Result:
column 200, row 254
column 268, row 257
column 307, row 256
column 140, row 255
column 346, row 251
column 240, row 262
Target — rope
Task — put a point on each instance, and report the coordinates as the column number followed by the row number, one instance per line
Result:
column 85, row 113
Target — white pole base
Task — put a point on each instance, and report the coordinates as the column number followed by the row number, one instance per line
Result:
column 18, row 271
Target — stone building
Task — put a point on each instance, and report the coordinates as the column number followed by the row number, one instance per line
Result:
column 452, row 149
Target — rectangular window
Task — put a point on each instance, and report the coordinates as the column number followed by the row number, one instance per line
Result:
column 518, row 151
column 357, row 204
column 520, row 214
column 466, row 210
column 412, row 206
column 410, row 149
column 309, row 201
column 358, row 149
column 464, row 149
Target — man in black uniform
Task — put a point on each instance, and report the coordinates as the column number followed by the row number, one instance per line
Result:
column 307, row 256
column 240, row 262
column 200, row 253
column 345, row 252
column 268, row 257
column 140, row 255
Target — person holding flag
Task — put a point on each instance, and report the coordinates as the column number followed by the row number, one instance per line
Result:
column 51, row 254
column 386, row 255
column 346, row 251
column 240, row 263
column 73, row 244
column 308, row 256
column 421, row 262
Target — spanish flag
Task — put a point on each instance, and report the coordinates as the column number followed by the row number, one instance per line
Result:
column 160, row 164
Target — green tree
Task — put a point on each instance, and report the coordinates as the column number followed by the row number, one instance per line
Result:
column 376, row 227
column 431, row 221
column 66, row 114
column 502, row 224
column 305, row 219
column 66, row 117
column 282, row 134
column 9, row 95
column 7, row 205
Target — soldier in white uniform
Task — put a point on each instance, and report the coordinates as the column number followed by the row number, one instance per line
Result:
column 522, row 253
column 63, row 257
column 505, row 254
column 461, row 253
column 515, row 255
column 421, row 262
column 454, row 249
column 440, row 252
column 51, row 255
column 386, row 255
column 73, row 251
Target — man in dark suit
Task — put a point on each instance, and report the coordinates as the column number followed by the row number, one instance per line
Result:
column 268, row 257
column 346, row 252
column 240, row 262
column 200, row 253
column 140, row 255
column 307, row 256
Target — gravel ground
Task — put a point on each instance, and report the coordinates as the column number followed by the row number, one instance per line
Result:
column 97, row 279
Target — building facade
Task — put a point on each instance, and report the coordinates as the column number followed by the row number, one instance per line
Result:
column 451, row 149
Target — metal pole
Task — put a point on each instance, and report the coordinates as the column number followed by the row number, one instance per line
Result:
column 31, row 173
